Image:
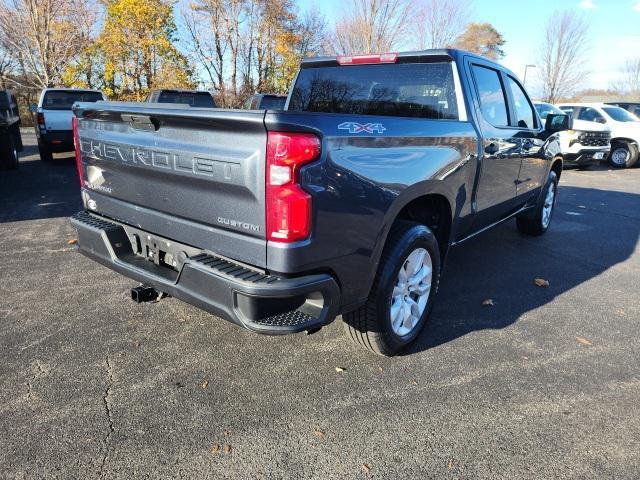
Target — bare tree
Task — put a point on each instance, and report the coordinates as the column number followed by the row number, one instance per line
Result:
column 629, row 82
column 370, row 26
column 438, row 23
column 43, row 36
column 7, row 68
column 563, row 55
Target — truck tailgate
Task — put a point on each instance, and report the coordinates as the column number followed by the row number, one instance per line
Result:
column 192, row 175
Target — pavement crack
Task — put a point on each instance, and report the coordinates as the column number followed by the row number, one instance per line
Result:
column 107, row 408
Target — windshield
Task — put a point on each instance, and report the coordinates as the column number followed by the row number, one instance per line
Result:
column 620, row 114
column 424, row 90
column 545, row 109
column 62, row 99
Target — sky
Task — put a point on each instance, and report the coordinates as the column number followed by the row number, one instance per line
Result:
column 614, row 31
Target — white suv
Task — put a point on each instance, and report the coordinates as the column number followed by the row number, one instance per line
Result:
column 625, row 129
column 585, row 144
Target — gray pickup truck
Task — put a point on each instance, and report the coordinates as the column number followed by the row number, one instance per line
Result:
column 10, row 138
column 346, row 203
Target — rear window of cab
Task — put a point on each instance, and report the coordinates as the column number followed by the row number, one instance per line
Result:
column 63, row 100
column 422, row 90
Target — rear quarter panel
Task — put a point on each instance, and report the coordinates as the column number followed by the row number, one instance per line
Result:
column 361, row 183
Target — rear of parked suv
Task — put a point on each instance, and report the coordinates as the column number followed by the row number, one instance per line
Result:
column 53, row 118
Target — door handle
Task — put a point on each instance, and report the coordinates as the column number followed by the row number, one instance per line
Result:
column 491, row 149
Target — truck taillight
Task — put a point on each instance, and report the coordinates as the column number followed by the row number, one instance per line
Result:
column 288, row 209
column 40, row 119
column 76, row 144
column 367, row 59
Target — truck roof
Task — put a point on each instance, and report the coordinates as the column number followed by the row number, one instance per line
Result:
column 66, row 89
column 429, row 55
column 179, row 90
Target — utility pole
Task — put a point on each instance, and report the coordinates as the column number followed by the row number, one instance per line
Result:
column 524, row 80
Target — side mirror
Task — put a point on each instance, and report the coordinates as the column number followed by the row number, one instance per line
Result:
column 33, row 108
column 557, row 122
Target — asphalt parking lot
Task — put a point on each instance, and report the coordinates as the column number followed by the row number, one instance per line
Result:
column 543, row 384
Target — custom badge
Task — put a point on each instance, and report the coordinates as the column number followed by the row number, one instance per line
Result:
column 354, row 127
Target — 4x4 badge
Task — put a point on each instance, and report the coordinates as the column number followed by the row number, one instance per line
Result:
column 355, row 127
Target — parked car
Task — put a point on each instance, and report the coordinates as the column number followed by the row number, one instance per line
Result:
column 625, row 129
column 584, row 145
column 346, row 203
column 10, row 138
column 633, row 107
column 53, row 118
column 266, row 101
column 193, row 98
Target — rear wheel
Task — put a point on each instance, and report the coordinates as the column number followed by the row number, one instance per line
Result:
column 402, row 294
column 45, row 153
column 623, row 155
column 8, row 151
column 536, row 221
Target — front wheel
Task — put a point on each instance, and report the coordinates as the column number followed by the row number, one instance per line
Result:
column 402, row 294
column 536, row 221
column 623, row 155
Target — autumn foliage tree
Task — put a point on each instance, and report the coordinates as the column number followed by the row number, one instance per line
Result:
column 243, row 46
column 483, row 39
column 42, row 36
column 138, row 51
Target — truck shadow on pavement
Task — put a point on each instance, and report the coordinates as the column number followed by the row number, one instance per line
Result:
column 38, row 190
column 592, row 231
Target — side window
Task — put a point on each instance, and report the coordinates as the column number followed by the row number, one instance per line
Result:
column 525, row 117
column 569, row 110
column 590, row 115
column 492, row 99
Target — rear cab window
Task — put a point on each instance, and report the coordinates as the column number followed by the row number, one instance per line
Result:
column 193, row 99
column 419, row 90
column 64, row 99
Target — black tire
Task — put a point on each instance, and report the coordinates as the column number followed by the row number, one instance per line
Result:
column 8, row 151
column 370, row 325
column 45, row 153
column 628, row 151
column 531, row 222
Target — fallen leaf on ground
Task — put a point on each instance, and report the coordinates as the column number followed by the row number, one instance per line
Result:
column 380, row 369
column 487, row 303
column 227, row 449
column 73, row 241
column 215, row 448
column 227, row 433
column 366, row 468
column 340, row 369
column 541, row 282
column 413, row 382
column 318, row 433
column 450, row 465
column 583, row 341
column 205, row 384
